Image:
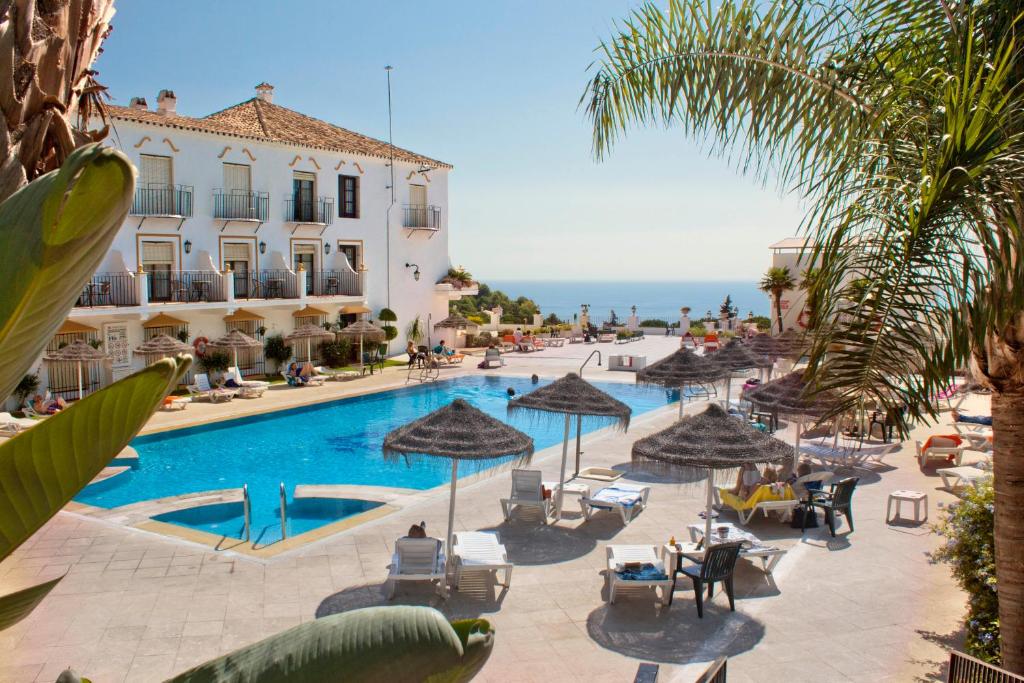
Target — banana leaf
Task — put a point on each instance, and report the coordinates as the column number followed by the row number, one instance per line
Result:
column 400, row 643
column 43, row 467
column 54, row 233
column 15, row 606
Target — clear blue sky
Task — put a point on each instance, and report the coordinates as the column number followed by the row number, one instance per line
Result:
column 491, row 87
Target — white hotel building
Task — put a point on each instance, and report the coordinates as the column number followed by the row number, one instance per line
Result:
column 258, row 218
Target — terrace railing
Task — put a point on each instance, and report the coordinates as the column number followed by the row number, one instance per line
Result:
column 109, row 289
column 318, row 211
column 421, row 217
column 186, row 286
column 966, row 669
column 158, row 199
column 335, row 283
column 266, row 284
column 241, row 206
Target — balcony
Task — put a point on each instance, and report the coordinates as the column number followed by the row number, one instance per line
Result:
column 308, row 211
column 235, row 205
column 335, row 283
column 155, row 199
column 266, row 284
column 185, row 286
column 109, row 289
column 421, row 217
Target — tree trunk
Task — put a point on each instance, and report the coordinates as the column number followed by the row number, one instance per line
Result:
column 778, row 309
column 1008, row 472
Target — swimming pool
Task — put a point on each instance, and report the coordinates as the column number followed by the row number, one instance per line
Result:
column 336, row 442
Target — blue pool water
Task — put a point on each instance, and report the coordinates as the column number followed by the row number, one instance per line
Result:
column 336, row 442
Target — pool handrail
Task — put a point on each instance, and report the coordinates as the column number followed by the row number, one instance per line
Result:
column 284, row 513
column 246, row 509
column 588, row 360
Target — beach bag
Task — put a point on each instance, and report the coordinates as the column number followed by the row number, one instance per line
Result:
column 798, row 518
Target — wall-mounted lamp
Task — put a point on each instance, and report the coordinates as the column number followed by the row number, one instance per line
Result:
column 263, row 247
column 415, row 272
column 327, row 247
column 188, row 246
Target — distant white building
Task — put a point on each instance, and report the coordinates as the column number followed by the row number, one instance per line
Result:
column 787, row 254
column 258, row 217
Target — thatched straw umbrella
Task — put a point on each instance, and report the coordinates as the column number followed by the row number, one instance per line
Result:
column 363, row 330
column 462, row 433
column 309, row 333
column 234, row 340
column 734, row 357
column 710, row 442
column 163, row 345
column 455, row 322
column 572, row 395
column 791, row 396
column 77, row 352
column 681, row 370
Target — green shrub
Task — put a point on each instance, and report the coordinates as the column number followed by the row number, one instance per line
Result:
column 624, row 334
column 28, row 386
column 969, row 549
column 698, row 330
column 336, row 354
column 654, row 322
column 214, row 362
column 275, row 349
column 182, row 336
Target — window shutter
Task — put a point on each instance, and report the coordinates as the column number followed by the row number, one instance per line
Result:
column 158, row 252
column 237, row 178
column 154, row 171
column 304, row 248
column 236, row 251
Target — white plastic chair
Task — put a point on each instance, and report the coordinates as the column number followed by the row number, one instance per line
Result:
column 527, row 491
column 417, row 559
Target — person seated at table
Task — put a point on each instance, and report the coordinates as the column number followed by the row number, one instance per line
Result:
column 414, row 353
column 972, row 419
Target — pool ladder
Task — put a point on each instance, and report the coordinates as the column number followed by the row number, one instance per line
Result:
column 246, row 511
column 284, row 513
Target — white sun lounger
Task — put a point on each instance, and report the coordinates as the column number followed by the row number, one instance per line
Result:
column 480, row 551
column 417, row 559
column 626, row 499
column 620, row 555
column 201, row 388
column 527, row 491
column 12, row 425
column 938, row 453
column 957, row 477
column 248, row 388
column 847, row 456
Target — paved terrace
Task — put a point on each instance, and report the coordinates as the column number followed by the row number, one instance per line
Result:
column 867, row 606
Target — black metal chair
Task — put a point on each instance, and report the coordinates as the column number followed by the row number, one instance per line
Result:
column 718, row 565
column 838, row 500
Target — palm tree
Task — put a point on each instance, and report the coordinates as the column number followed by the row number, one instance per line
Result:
column 775, row 282
column 808, row 284
column 901, row 125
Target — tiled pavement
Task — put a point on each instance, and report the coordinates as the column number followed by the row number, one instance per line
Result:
column 866, row 606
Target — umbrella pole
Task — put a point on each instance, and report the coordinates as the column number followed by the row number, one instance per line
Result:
column 579, row 433
column 361, row 372
column 561, row 474
column 309, row 349
column 79, row 380
column 451, row 508
column 728, row 390
column 235, row 349
column 708, row 509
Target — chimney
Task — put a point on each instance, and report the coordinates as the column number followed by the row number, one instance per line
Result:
column 265, row 92
column 138, row 103
column 166, row 102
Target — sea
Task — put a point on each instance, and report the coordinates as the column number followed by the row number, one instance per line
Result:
column 661, row 300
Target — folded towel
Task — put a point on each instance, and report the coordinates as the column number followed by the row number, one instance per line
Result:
column 617, row 496
column 646, row 572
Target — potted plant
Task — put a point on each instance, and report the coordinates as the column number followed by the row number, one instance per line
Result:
column 387, row 316
column 28, row 386
column 275, row 349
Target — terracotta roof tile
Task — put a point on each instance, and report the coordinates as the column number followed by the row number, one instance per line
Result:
column 261, row 120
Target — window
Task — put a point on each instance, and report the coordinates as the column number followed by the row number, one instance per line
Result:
column 348, row 196
column 158, row 260
column 304, row 197
column 351, row 252
column 305, row 254
column 156, row 190
column 155, row 171
column 237, row 257
column 237, row 179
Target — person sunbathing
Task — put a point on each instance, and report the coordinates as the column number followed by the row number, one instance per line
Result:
column 972, row 419
column 47, row 405
column 747, row 481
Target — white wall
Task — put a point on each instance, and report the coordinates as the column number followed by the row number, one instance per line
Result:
column 198, row 159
